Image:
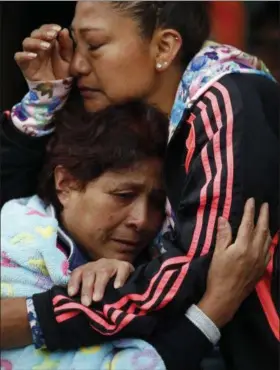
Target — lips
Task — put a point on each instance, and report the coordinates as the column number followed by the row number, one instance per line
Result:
column 88, row 92
column 127, row 245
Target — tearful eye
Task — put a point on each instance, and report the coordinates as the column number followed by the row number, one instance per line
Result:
column 94, row 47
column 125, row 195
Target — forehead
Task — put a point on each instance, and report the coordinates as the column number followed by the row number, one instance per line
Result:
column 147, row 174
column 98, row 15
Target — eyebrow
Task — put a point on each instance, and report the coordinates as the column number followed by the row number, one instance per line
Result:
column 85, row 29
column 136, row 185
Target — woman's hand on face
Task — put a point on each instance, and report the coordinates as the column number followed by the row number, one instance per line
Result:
column 94, row 277
column 46, row 54
column 236, row 268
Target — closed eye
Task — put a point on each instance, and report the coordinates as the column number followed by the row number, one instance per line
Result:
column 94, row 47
column 125, row 195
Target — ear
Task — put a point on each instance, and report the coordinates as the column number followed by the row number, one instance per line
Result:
column 65, row 184
column 169, row 43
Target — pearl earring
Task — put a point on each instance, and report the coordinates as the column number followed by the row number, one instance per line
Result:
column 160, row 65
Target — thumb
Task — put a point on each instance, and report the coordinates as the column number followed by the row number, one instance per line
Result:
column 224, row 235
column 65, row 45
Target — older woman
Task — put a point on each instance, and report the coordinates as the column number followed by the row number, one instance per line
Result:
column 223, row 107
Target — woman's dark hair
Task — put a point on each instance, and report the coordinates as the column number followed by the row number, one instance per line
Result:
column 89, row 144
column 189, row 18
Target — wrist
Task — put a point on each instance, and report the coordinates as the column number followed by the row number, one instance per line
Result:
column 219, row 309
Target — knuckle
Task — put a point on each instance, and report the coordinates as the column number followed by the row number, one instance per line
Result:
column 102, row 261
column 126, row 265
column 34, row 32
column 25, row 42
column 264, row 230
column 88, row 273
column 103, row 270
column 249, row 225
column 76, row 272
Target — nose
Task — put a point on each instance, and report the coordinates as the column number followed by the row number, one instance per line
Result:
column 138, row 217
column 79, row 66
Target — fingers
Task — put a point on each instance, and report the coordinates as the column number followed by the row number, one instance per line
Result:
column 41, row 39
column 74, row 282
column 47, row 35
column 23, row 58
column 101, row 282
column 65, row 45
column 244, row 234
column 50, row 26
column 262, row 237
column 46, row 31
column 224, row 235
column 35, row 45
column 122, row 275
column 87, row 287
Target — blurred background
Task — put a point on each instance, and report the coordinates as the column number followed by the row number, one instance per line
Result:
column 253, row 26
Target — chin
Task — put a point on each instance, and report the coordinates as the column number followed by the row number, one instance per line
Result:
column 94, row 105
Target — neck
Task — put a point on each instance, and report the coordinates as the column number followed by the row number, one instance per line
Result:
column 164, row 93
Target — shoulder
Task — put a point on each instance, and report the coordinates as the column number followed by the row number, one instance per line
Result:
column 243, row 97
column 249, row 86
column 245, row 87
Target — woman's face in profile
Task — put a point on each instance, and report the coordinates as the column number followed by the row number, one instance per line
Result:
column 118, row 214
column 112, row 62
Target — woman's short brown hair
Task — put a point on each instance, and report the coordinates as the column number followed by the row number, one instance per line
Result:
column 89, row 144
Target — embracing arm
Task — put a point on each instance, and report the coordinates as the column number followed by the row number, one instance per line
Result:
column 169, row 282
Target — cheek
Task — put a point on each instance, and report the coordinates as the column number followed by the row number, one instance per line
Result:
column 101, row 218
column 125, row 75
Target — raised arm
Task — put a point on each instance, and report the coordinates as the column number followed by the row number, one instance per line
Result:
column 24, row 131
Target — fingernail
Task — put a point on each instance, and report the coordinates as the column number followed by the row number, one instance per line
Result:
column 86, row 300
column 251, row 202
column 32, row 55
column 96, row 297
column 56, row 28
column 221, row 223
column 266, row 206
column 51, row 33
column 45, row 45
column 117, row 284
column 71, row 291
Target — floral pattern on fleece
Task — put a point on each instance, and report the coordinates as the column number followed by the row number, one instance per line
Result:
column 34, row 114
column 31, row 263
column 212, row 63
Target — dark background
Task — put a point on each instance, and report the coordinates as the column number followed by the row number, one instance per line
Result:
column 18, row 19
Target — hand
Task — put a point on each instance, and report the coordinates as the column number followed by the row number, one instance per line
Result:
column 236, row 268
column 94, row 277
column 46, row 54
